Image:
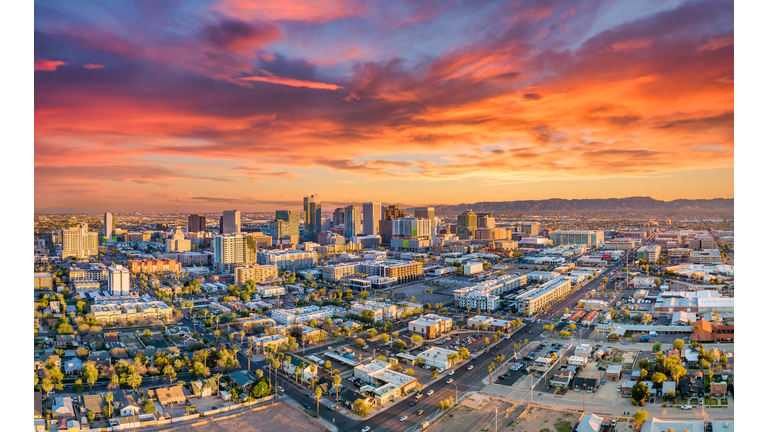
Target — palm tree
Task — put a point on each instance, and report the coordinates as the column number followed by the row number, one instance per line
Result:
column 242, row 335
column 318, row 395
column 337, row 382
column 313, row 369
column 218, row 380
column 133, row 380
column 249, row 353
column 303, row 344
column 168, row 370
column 302, row 366
column 217, row 323
column 109, row 398
column 205, row 353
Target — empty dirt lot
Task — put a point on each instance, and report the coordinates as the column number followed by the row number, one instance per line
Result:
column 542, row 420
column 277, row 417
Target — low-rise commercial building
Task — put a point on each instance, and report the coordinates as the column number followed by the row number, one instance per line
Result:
column 649, row 254
column 707, row 256
column 591, row 238
column 261, row 344
column 381, row 311
column 437, row 357
column 403, row 271
column 306, row 314
column 112, row 312
column 486, row 295
column 287, row 259
column 155, row 266
column 430, row 326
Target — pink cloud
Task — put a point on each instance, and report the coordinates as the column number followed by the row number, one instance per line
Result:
column 631, row 45
column 292, row 82
column 717, row 43
column 93, row 66
column 47, row 65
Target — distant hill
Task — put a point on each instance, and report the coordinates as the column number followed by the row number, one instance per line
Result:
column 59, row 210
column 607, row 204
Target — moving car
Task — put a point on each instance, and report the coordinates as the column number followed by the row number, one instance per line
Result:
column 451, row 372
column 471, row 367
column 420, row 412
column 282, row 390
column 365, row 429
column 403, row 418
column 419, row 396
column 413, row 402
column 430, row 393
column 450, row 381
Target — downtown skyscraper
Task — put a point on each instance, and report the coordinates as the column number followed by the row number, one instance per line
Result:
column 313, row 221
column 352, row 220
column 371, row 218
column 109, row 225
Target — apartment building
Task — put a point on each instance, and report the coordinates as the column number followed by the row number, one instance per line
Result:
column 88, row 272
column 430, row 326
column 371, row 218
column 256, row 273
column 627, row 243
column 427, row 213
column 486, row 295
column 43, row 282
column 403, row 271
column 707, row 256
column 78, row 242
column 411, row 235
column 155, row 266
column 534, row 300
column 274, row 341
column 231, row 222
column 119, row 281
column 306, row 314
column 112, row 312
column 337, row 272
column 491, row 234
column 381, row 311
column 649, row 254
column 269, row 291
column 352, row 221
column 287, row 259
column 679, row 253
column 589, row 237
column 233, row 250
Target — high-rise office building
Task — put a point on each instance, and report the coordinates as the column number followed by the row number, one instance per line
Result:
column 392, row 213
column 531, row 228
column 486, row 220
column 426, row 213
column 371, row 218
column 410, row 234
column 178, row 243
column 338, row 217
column 196, row 223
column 231, row 222
column 352, row 221
column 312, row 217
column 234, row 250
column 119, row 282
column 293, row 217
column 109, row 225
column 467, row 225
column 78, row 242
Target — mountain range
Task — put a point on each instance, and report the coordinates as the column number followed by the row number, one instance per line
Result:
column 601, row 204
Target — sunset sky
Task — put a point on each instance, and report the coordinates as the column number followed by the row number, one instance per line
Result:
column 255, row 104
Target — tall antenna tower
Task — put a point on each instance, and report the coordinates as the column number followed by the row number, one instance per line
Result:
column 177, row 211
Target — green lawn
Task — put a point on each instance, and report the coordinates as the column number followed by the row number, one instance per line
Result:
column 682, row 401
column 723, row 401
column 563, row 425
column 709, row 401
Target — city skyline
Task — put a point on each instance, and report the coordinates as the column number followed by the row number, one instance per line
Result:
column 231, row 105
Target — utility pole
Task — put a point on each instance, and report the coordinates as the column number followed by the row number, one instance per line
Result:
column 497, row 419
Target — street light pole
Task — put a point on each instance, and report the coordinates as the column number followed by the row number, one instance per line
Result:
column 497, row 419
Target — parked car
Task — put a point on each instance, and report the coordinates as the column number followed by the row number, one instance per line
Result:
column 365, row 429
column 602, row 382
column 451, row 372
column 686, row 407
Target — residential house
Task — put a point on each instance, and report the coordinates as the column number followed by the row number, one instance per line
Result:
column 590, row 423
column 125, row 404
column 204, row 388
column 92, row 403
column 613, row 372
column 666, row 386
column 64, row 340
column 46, row 357
column 581, row 383
column 38, row 405
column 718, row 389
column 654, row 424
column 73, row 367
column 626, row 388
column 62, row 406
column 691, row 357
column 168, row 395
column 561, row 378
column 690, row 386
column 241, row 380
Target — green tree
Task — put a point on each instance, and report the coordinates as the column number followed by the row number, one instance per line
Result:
column 318, row 395
column 640, row 417
column 658, row 378
column 133, row 380
column 108, row 398
column 361, row 407
column 640, row 393
column 656, row 347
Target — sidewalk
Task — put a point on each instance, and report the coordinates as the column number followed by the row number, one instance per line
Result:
column 325, row 423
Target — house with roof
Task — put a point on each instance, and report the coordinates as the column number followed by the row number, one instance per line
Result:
column 583, row 383
column 691, row 386
column 73, row 367
column 722, row 426
column 590, row 423
column 705, row 331
column 204, row 388
column 45, row 357
column 63, row 407
column 691, row 357
column 92, row 403
column 666, row 386
column 626, row 388
column 654, row 424
column 613, row 372
column 718, row 389
column 111, row 337
column 241, row 380
column 125, row 404
column 349, row 396
column 38, row 405
column 168, row 395
column 64, row 340
column 561, row 378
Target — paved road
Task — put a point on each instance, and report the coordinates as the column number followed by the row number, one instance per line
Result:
column 464, row 381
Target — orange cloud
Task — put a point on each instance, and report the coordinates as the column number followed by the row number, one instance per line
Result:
column 47, row 65
column 292, row 82
column 717, row 43
column 631, row 45
column 93, row 66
